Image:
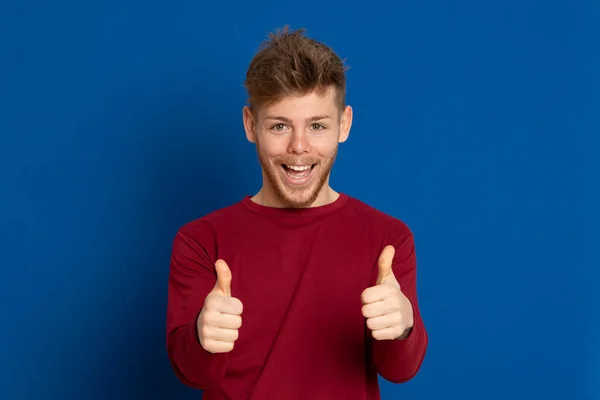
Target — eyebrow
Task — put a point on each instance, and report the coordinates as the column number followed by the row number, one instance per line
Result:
column 289, row 121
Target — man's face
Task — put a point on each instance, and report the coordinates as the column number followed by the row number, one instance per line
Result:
column 297, row 140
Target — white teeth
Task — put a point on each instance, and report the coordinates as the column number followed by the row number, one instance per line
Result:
column 299, row 168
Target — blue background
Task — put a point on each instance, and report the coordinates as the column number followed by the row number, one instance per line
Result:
column 476, row 123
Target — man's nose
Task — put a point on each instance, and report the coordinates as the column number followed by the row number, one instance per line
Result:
column 299, row 143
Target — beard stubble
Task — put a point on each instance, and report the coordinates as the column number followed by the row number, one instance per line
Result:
column 289, row 196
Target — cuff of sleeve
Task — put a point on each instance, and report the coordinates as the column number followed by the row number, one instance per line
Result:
column 205, row 368
column 399, row 360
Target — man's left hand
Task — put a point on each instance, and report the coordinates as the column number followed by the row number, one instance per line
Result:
column 388, row 311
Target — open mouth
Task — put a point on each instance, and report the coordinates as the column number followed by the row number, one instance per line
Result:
column 298, row 172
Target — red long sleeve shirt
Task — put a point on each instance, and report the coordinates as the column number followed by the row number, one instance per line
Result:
column 299, row 274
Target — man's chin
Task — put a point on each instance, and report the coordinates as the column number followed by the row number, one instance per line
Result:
column 298, row 198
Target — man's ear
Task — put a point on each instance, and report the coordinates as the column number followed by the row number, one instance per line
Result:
column 345, row 124
column 249, row 124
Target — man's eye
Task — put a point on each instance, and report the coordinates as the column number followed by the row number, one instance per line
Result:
column 278, row 127
column 317, row 127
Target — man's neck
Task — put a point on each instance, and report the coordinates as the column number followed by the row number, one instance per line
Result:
column 265, row 198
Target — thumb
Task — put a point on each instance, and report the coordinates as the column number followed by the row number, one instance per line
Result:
column 385, row 264
column 223, row 277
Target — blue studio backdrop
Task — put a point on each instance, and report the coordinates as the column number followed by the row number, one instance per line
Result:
column 476, row 123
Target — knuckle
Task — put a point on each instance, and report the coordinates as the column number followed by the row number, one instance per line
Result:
column 204, row 317
column 239, row 306
column 208, row 345
column 363, row 298
column 399, row 319
column 205, row 331
column 227, row 347
column 209, row 318
column 365, row 310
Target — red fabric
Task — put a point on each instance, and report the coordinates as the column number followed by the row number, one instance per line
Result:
column 299, row 274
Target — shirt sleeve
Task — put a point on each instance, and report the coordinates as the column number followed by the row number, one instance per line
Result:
column 191, row 277
column 399, row 360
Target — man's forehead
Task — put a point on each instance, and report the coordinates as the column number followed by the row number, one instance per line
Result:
column 301, row 106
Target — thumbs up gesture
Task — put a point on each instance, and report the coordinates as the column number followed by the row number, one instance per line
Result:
column 220, row 318
column 388, row 311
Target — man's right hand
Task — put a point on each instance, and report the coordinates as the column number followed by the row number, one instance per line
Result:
column 221, row 316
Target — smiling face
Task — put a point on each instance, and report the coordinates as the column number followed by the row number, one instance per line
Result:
column 297, row 140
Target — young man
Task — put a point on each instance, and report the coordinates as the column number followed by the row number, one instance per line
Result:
column 298, row 292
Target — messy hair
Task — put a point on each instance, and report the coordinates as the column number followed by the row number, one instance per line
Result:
column 289, row 63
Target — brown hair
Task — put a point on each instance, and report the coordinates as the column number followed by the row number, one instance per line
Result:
column 291, row 63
